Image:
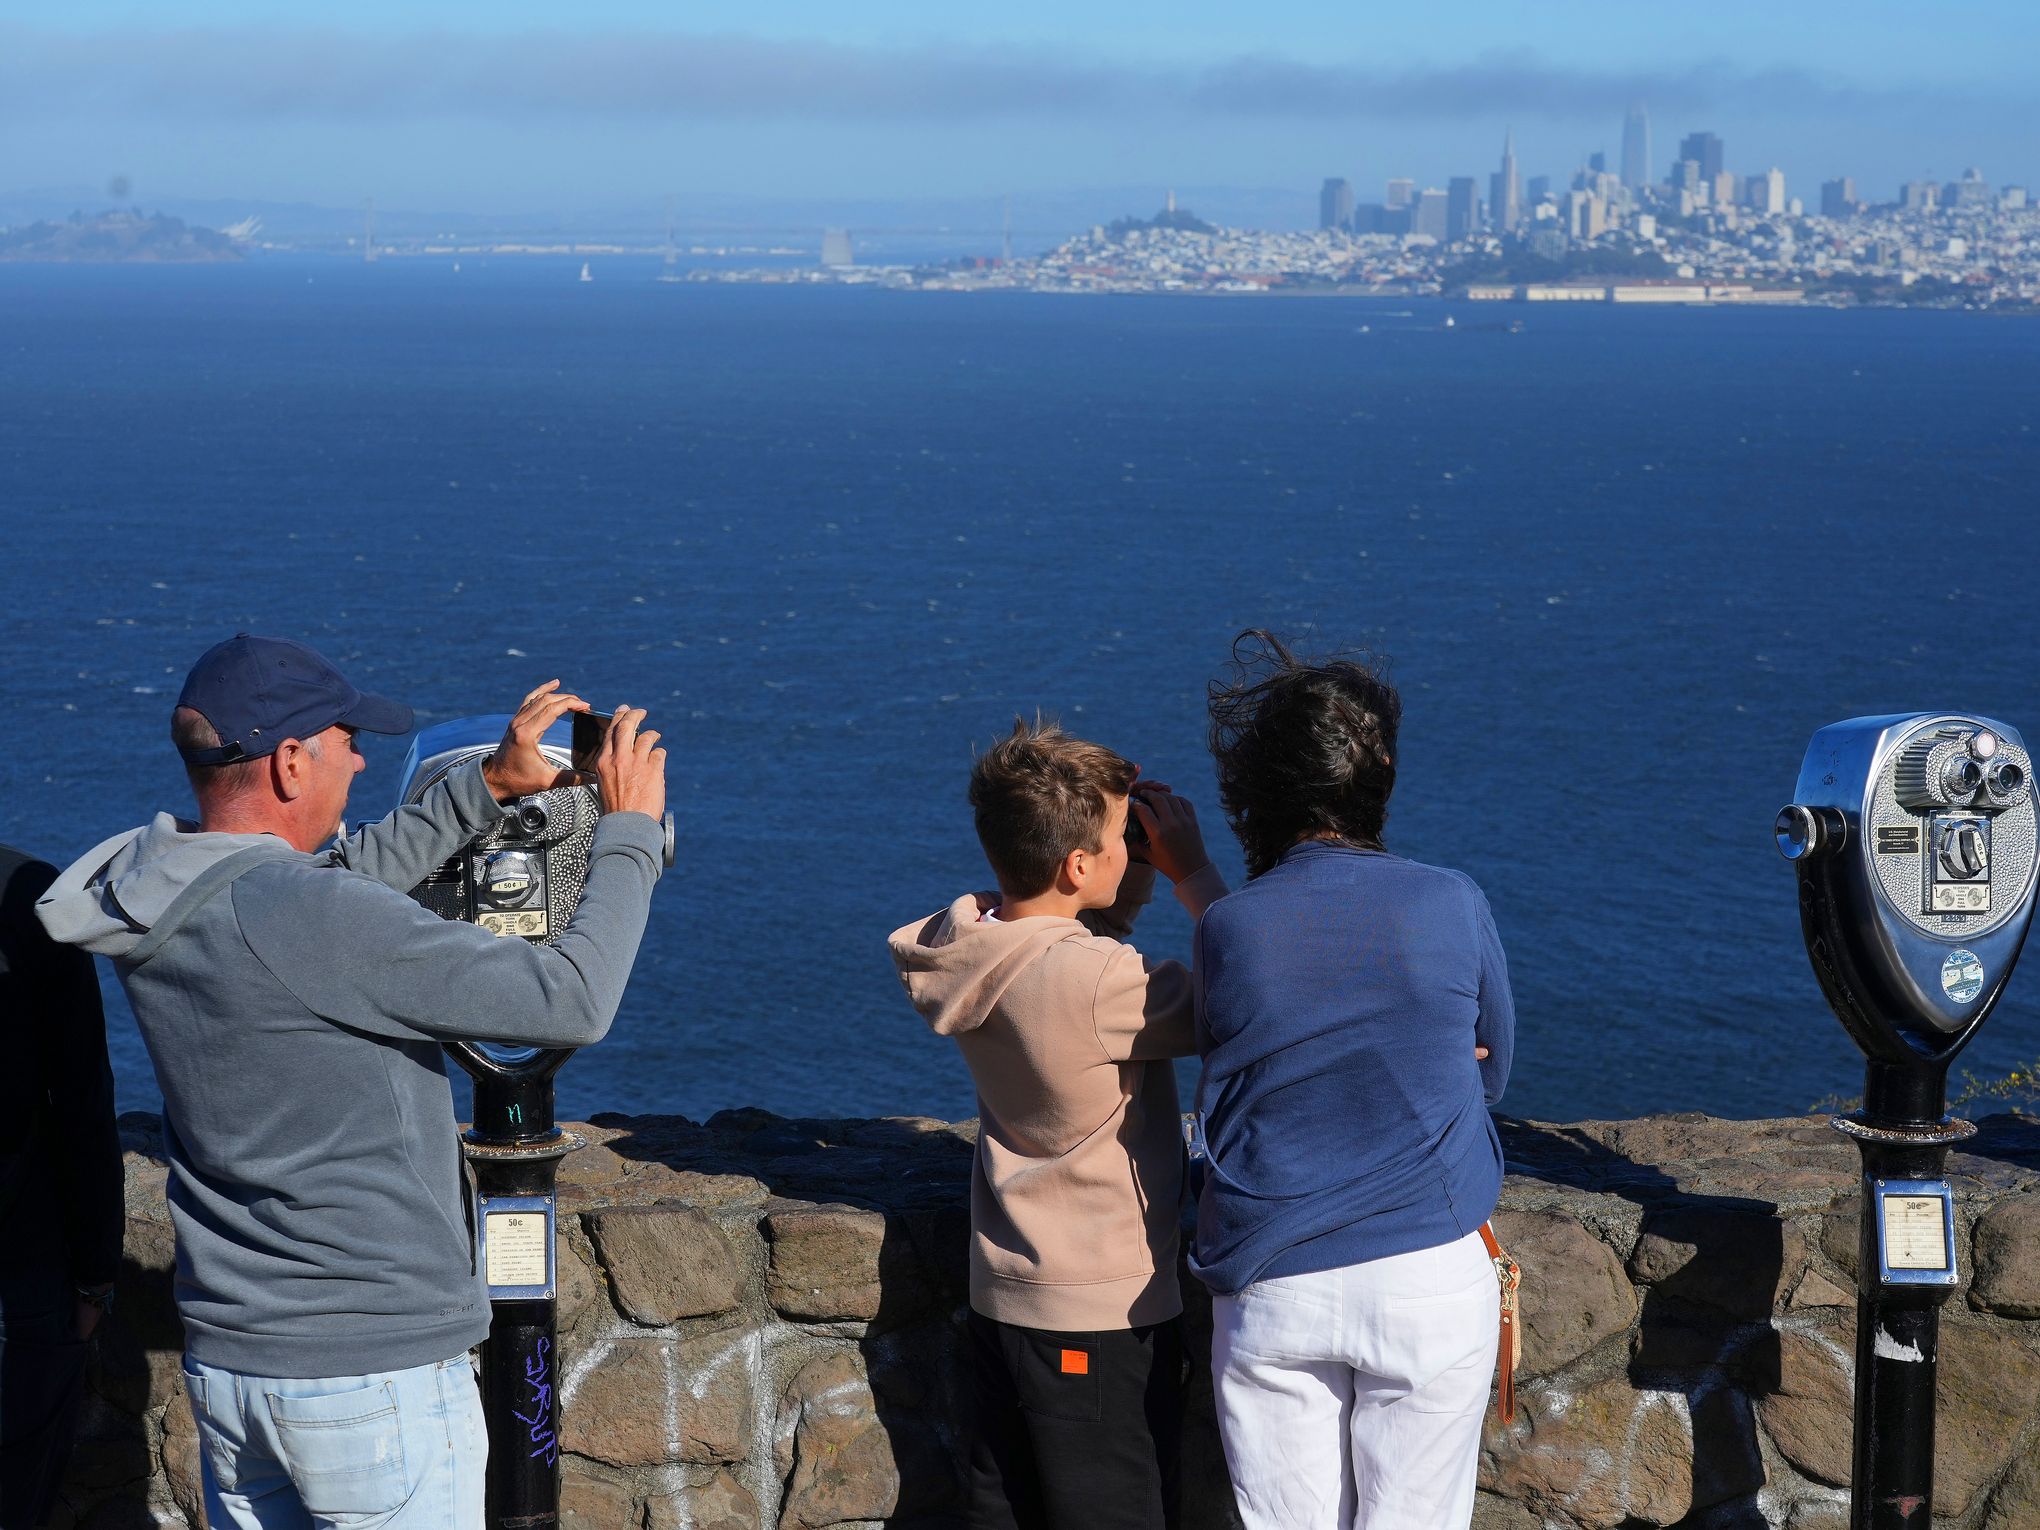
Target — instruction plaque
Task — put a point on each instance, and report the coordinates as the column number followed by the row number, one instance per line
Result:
column 1915, row 1231
column 517, row 1246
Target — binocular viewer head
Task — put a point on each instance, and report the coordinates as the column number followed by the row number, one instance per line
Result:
column 521, row 878
column 1914, row 840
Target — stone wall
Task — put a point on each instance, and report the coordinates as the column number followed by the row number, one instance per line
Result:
column 760, row 1328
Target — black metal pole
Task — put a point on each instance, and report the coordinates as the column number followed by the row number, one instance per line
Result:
column 1903, row 1133
column 516, row 1151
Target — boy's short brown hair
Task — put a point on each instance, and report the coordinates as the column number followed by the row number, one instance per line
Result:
column 1038, row 794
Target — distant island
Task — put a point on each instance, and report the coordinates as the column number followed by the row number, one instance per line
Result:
column 117, row 237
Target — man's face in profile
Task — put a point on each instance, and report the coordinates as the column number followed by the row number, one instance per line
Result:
column 335, row 762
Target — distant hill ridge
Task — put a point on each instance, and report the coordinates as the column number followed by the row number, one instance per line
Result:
column 116, row 236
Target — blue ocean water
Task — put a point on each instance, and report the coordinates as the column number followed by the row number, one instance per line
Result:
column 1624, row 563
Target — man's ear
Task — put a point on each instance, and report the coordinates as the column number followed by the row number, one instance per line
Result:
column 287, row 770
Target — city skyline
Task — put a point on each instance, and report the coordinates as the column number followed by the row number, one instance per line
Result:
column 449, row 104
column 1595, row 198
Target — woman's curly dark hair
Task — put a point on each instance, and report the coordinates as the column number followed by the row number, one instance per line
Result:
column 1302, row 749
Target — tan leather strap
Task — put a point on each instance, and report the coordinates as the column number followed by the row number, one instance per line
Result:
column 1509, row 1353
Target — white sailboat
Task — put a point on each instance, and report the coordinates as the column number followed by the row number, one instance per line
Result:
column 586, row 274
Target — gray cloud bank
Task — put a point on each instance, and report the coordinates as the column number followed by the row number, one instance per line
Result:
column 285, row 74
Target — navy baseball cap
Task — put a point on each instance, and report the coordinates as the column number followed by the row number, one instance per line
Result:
column 259, row 691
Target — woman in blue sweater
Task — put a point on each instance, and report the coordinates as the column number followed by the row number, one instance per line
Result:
column 1356, row 1024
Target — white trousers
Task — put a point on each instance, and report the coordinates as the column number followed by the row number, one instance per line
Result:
column 1351, row 1399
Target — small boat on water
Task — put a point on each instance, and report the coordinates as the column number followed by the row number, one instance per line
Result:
column 586, row 274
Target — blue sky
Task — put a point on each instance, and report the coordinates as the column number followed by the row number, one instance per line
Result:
column 518, row 105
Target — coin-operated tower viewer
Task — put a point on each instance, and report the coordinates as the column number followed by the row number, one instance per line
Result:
column 1914, row 839
column 520, row 880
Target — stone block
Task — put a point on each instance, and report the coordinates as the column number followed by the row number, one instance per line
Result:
column 1986, row 1389
column 666, row 1262
column 721, row 1503
column 653, row 1401
column 582, row 1303
column 1739, row 1261
column 1810, row 1415
column 180, row 1459
column 1816, row 1290
column 1492, row 1513
column 833, row 1452
column 1838, row 1239
column 708, row 1192
column 1683, row 1342
column 591, row 1167
column 1608, row 1455
column 589, row 1502
column 1575, row 1294
column 842, row 1264
column 2006, row 1273
column 2016, row 1504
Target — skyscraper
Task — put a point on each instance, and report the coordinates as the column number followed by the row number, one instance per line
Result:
column 1506, row 201
column 1636, row 148
column 1461, row 208
column 1429, row 215
column 1772, row 202
column 1402, row 191
column 1335, row 203
column 1838, row 198
column 1586, row 215
column 1706, row 149
column 1971, row 191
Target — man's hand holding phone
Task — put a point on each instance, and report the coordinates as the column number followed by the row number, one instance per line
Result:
column 630, row 767
column 519, row 767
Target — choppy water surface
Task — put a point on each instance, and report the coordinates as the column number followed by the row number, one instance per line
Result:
column 1625, row 563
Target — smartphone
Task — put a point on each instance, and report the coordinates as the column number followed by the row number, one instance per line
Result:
column 590, row 730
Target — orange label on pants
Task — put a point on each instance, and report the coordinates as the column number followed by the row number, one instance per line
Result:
column 1076, row 1362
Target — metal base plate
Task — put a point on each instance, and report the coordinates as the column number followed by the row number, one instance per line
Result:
column 530, row 1152
column 1923, row 1134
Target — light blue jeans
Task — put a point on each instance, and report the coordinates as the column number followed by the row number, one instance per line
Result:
column 400, row 1450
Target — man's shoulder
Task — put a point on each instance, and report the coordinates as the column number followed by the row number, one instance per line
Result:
column 288, row 885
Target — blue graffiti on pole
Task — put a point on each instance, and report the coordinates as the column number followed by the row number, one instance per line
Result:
column 545, row 1440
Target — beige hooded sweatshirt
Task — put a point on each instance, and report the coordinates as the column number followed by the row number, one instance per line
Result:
column 1069, row 1035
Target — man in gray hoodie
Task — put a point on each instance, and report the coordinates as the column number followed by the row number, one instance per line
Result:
column 293, row 1000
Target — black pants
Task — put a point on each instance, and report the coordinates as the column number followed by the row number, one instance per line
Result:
column 42, row 1380
column 1076, row 1431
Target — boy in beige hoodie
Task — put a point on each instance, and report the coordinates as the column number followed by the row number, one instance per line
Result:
column 1069, row 1035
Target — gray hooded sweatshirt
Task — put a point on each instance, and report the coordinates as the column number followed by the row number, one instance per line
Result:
column 293, row 1005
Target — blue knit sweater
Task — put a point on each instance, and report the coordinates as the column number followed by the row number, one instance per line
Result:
column 1339, row 999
